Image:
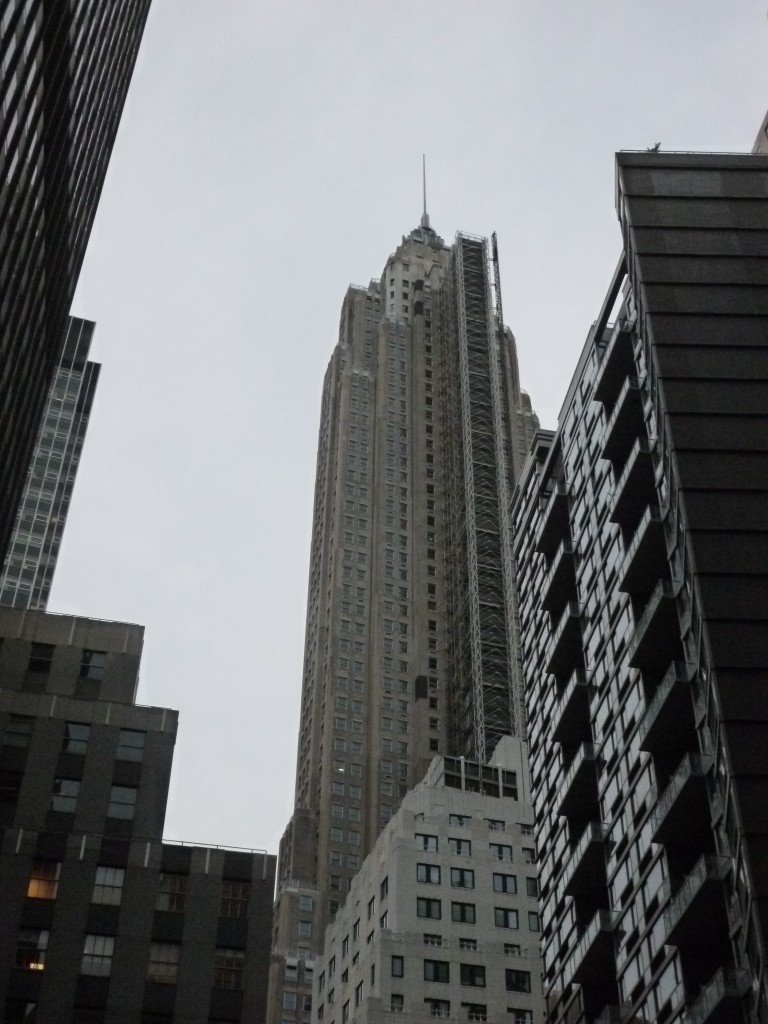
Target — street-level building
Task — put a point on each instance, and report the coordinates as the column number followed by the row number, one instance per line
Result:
column 640, row 540
column 442, row 919
column 102, row 922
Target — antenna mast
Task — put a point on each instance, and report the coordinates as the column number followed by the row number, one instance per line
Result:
column 425, row 215
column 497, row 288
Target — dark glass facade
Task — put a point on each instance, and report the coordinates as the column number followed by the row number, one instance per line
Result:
column 640, row 532
column 64, row 72
column 30, row 563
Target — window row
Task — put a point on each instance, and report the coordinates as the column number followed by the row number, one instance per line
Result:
column 464, row 878
column 109, row 883
column 504, row 917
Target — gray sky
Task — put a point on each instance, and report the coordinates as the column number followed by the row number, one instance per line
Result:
column 270, row 154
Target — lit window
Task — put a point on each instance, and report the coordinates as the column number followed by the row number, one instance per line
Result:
column 44, row 880
column 30, row 949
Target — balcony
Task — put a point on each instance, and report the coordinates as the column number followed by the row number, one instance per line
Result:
column 554, row 525
column 646, row 559
column 566, row 645
column 585, row 870
column 560, row 582
column 578, row 793
column 636, row 487
column 683, row 808
column 656, row 641
column 627, row 422
column 697, row 911
column 570, row 716
column 668, row 720
column 593, row 961
column 618, row 362
column 721, row 1001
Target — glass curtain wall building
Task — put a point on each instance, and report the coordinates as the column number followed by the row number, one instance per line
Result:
column 65, row 67
column 640, row 539
column 29, row 566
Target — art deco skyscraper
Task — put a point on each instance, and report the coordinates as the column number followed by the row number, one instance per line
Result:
column 65, row 67
column 27, row 573
column 411, row 636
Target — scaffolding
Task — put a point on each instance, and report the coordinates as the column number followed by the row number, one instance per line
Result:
column 485, row 698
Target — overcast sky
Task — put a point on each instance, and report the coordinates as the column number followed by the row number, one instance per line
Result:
column 269, row 155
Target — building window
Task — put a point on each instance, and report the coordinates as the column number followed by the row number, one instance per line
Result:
column 130, row 745
column 437, row 970
column 462, row 878
column 513, row 949
column 64, row 796
column 171, row 892
column 501, row 852
column 228, row 967
column 398, row 967
column 122, row 802
column 108, row 886
column 534, row 922
column 289, row 1000
column 467, row 943
column 425, row 842
column 18, row 733
column 517, row 981
column 460, row 847
column 428, row 873
column 505, row 917
column 438, row 1007
column 305, row 929
column 532, row 886
column 30, row 949
column 306, row 903
column 463, row 912
column 97, row 955
column 475, row 1011
column 40, row 658
column 473, row 975
column 428, row 908
column 76, row 736
column 163, row 962
column 384, row 887
column 520, row 1016
column 396, row 1003
column 44, row 880
column 505, row 883
column 235, row 896
column 529, row 855
column 93, row 665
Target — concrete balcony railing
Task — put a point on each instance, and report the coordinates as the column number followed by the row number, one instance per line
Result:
column 668, row 718
column 554, row 524
column 682, row 810
column 721, row 999
column 694, row 914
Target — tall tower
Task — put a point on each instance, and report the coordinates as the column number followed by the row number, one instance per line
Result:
column 410, row 638
column 64, row 73
column 25, row 581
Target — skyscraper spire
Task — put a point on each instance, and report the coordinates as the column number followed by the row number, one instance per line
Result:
column 425, row 215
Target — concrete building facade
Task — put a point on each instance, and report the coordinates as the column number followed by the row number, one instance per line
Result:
column 30, row 562
column 442, row 919
column 102, row 922
column 411, row 644
column 640, row 529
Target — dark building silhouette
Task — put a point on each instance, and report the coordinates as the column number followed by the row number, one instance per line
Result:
column 27, row 574
column 64, row 72
column 641, row 531
column 101, row 920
